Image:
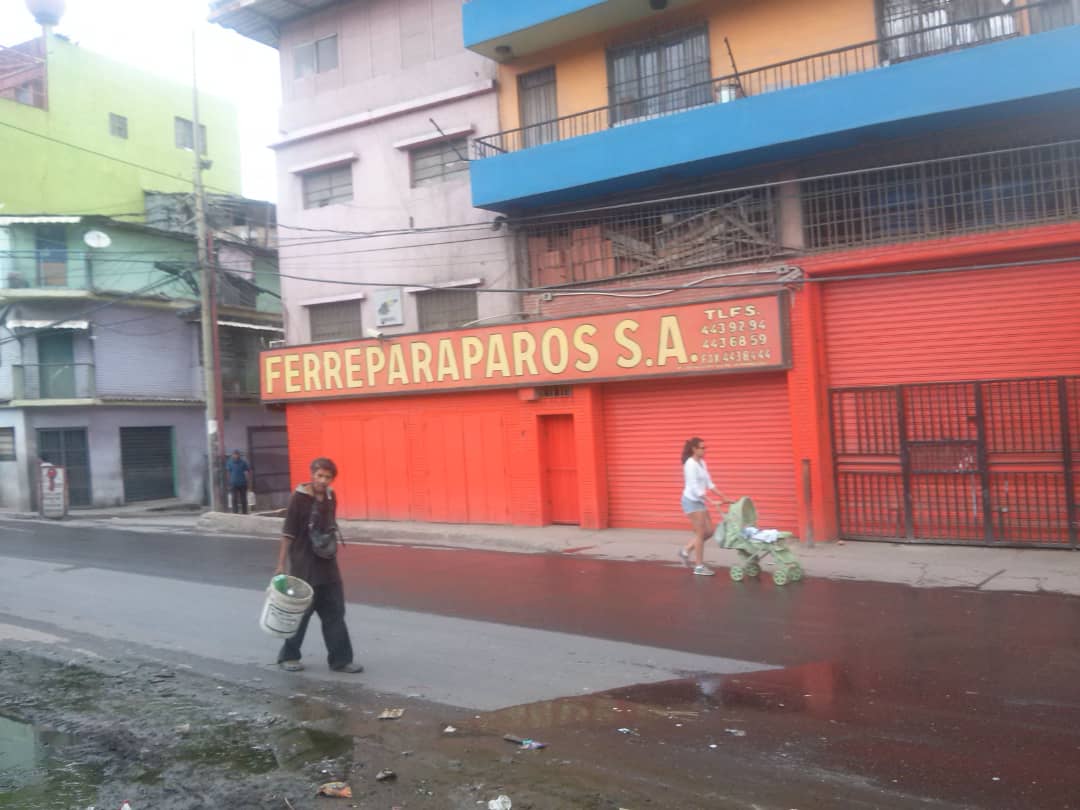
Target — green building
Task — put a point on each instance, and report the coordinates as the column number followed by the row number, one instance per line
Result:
column 100, row 345
column 55, row 94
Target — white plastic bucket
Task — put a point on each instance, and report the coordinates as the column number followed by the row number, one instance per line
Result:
column 281, row 614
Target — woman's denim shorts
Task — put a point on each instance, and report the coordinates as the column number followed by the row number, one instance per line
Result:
column 690, row 505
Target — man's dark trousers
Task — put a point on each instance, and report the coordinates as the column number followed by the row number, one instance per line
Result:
column 329, row 603
column 239, row 499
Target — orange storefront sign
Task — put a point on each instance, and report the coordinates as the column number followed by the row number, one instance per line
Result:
column 708, row 337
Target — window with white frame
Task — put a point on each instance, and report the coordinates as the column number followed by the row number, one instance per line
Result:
column 7, row 444
column 184, row 133
column 315, row 57
column 446, row 308
column 335, row 320
column 118, row 125
column 436, row 162
column 323, row 187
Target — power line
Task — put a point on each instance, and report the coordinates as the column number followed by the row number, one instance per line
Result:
column 113, row 158
column 83, row 315
column 629, row 291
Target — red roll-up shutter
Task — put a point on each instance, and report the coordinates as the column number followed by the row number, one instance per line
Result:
column 1018, row 322
column 746, row 426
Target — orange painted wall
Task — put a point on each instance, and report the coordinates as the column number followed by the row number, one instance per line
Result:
column 453, row 458
column 761, row 32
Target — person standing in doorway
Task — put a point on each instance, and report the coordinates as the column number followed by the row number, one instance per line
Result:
column 313, row 507
column 239, row 472
column 696, row 485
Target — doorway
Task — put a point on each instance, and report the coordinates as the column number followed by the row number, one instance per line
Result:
column 56, row 365
column 559, row 455
column 146, row 458
column 68, row 448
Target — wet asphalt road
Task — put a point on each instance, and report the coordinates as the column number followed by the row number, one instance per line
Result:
column 952, row 698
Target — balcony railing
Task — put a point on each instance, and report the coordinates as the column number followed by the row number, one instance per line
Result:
column 36, row 269
column 53, row 381
column 910, row 44
column 923, row 200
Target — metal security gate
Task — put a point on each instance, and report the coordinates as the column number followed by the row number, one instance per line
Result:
column 981, row 463
column 268, row 454
column 68, row 447
column 146, row 455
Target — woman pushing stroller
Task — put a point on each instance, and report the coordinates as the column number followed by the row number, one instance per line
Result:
column 696, row 485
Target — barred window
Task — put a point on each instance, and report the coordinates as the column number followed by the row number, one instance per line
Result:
column 336, row 320
column 437, row 162
column 327, row 186
column 7, row 444
column 939, row 198
column 662, row 75
column 446, row 309
column 919, row 27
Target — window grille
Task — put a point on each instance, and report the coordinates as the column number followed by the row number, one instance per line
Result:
column 556, row 392
column 714, row 229
column 446, row 309
column 7, row 444
column 939, row 198
column 336, row 320
column 327, row 186
column 659, row 76
column 437, row 162
column 914, row 28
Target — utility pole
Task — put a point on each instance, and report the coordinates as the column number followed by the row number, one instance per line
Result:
column 208, row 309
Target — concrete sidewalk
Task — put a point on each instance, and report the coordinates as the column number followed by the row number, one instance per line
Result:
column 1000, row 569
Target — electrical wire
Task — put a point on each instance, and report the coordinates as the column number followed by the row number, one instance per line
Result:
column 85, row 314
column 632, row 292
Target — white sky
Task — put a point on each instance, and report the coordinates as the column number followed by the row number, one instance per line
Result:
column 155, row 35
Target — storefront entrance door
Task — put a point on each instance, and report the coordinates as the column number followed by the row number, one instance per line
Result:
column 560, row 469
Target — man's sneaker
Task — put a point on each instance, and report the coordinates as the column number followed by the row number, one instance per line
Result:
column 704, row 571
column 684, row 555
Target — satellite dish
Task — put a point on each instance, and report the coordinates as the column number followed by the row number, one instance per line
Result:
column 97, row 239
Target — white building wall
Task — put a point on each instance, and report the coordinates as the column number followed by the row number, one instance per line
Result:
column 402, row 65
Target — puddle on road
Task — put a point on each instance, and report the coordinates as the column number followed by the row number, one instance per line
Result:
column 36, row 772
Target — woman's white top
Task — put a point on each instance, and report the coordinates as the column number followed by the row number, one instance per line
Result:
column 696, row 476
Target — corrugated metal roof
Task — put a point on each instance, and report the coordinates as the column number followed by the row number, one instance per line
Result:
column 261, row 20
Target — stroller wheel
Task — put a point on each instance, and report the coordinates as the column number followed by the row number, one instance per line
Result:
column 780, row 576
column 736, row 573
column 753, row 569
column 796, row 573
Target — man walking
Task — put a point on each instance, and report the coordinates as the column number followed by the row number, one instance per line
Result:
column 239, row 472
column 313, row 509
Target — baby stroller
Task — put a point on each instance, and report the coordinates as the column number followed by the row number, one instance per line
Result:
column 739, row 531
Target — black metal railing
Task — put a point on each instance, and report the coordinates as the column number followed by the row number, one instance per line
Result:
column 845, row 61
column 948, row 196
column 983, row 462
